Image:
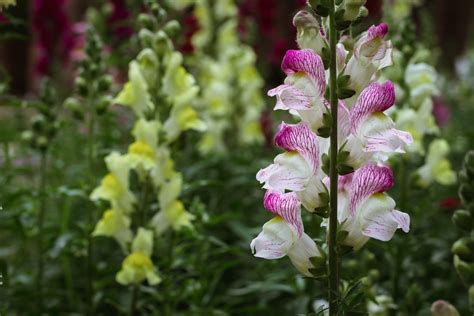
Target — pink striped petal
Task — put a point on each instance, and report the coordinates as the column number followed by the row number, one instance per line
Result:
column 403, row 220
column 391, row 140
column 290, row 98
column 375, row 98
column 275, row 240
column 307, row 61
column 300, row 138
column 371, row 44
column 383, row 225
column 367, row 181
column 287, row 206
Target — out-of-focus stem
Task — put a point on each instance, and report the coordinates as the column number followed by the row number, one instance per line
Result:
column 39, row 246
column 90, row 217
column 333, row 175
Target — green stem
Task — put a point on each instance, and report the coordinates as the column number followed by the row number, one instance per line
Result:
column 133, row 301
column 333, row 175
column 90, row 217
column 41, row 210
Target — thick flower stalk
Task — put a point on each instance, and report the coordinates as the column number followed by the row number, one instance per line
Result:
column 364, row 136
column 161, row 93
column 230, row 100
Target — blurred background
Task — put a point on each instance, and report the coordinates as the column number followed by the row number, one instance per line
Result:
column 210, row 270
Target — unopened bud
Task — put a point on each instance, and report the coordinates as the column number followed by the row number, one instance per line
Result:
column 462, row 219
column 104, row 83
column 462, row 249
column 146, row 21
column 38, row 123
column 308, row 31
column 146, row 37
column 81, row 85
column 161, row 42
column 471, row 297
column 171, row 28
column 443, row 308
column 464, row 269
column 352, row 9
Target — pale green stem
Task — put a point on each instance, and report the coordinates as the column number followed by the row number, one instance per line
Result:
column 41, row 210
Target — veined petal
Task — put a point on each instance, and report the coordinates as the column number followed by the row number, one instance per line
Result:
column 301, row 252
column 300, row 138
column 367, row 181
column 274, row 241
column 307, row 61
column 375, row 98
column 390, row 140
column 287, row 206
column 290, row 171
column 309, row 197
column 290, row 98
column 369, row 44
column 379, row 220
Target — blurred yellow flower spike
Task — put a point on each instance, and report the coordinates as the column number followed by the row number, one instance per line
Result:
column 114, row 187
column 142, row 153
column 6, row 3
column 172, row 214
column 138, row 265
column 116, row 225
column 437, row 167
column 135, row 92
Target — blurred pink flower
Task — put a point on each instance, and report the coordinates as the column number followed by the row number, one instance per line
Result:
column 441, row 111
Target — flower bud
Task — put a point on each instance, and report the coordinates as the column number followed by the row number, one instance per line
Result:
column 463, row 248
column 462, row 219
column 146, row 21
column 104, row 83
column 308, row 31
column 466, row 192
column 81, row 85
column 38, row 123
column 352, row 9
column 443, row 308
column 171, row 28
column 27, row 136
column 160, row 41
column 146, row 37
column 464, row 269
column 42, row 142
column 103, row 104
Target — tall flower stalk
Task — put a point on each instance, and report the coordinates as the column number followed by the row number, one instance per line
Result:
column 343, row 179
column 44, row 126
column 92, row 85
column 333, row 272
column 161, row 93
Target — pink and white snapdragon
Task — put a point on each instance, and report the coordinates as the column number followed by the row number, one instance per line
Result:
column 366, row 138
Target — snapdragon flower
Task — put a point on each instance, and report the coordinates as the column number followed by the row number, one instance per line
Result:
column 114, row 187
column 114, row 224
column 366, row 138
column 437, row 167
column 6, row 3
column 138, row 266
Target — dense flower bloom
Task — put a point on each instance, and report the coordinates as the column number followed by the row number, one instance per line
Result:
column 366, row 138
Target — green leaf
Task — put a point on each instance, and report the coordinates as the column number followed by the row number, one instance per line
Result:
column 344, row 93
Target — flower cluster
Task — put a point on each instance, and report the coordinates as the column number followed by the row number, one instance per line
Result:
column 230, row 99
column 161, row 92
column 366, row 137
